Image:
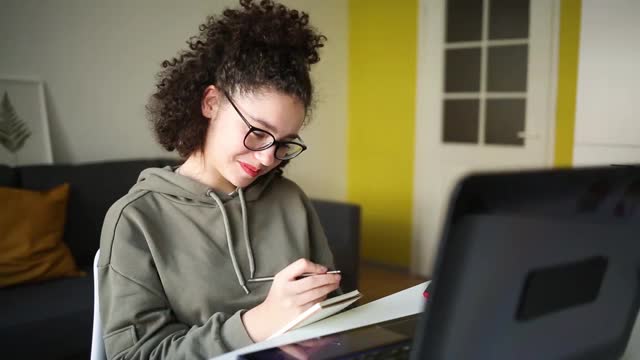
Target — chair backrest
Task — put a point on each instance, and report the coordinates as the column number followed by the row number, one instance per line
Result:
column 97, row 344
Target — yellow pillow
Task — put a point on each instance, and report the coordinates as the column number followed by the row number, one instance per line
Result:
column 32, row 226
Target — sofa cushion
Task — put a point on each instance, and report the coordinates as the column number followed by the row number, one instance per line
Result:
column 94, row 188
column 8, row 176
column 31, row 248
column 49, row 320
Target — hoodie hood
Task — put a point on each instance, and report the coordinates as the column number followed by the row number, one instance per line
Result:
column 167, row 181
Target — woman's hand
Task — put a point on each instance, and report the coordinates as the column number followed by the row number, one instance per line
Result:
column 288, row 297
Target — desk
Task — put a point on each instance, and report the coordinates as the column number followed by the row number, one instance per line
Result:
column 403, row 303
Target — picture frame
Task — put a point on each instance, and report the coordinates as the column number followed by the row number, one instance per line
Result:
column 24, row 126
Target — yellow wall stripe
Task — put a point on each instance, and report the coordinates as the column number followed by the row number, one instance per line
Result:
column 569, row 45
column 380, row 135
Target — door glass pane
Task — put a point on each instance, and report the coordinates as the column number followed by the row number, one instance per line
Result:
column 508, row 19
column 504, row 120
column 460, row 121
column 464, row 20
column 507, row 68
column 462, row 70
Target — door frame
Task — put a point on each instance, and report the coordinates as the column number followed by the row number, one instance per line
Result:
column 422, row 124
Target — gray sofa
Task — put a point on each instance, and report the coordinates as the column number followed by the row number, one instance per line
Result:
column 52, row 319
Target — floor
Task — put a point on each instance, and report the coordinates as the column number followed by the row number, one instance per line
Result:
column 377, row 281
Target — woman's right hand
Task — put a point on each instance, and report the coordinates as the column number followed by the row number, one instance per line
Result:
column 288, row 297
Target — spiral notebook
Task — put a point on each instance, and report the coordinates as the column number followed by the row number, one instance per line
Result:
column 320, row 311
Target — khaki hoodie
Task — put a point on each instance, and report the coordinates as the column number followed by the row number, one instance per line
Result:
column 175, row 256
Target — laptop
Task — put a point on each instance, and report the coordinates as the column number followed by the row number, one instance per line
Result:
column 536, row 264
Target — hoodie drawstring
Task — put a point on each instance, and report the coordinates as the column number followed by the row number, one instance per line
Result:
column 245, row 228
column 227, row 230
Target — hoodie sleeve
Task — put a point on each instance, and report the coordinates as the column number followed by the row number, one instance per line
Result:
column 137, row 319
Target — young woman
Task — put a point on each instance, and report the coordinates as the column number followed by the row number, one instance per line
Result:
column 179, row 251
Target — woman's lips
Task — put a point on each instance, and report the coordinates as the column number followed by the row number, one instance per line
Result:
column 250, row 170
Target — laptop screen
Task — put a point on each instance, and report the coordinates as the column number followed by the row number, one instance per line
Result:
column 537, row 264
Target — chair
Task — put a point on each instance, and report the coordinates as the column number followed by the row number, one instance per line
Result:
column 97, row 344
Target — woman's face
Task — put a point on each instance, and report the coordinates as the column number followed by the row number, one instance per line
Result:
column 226, row 157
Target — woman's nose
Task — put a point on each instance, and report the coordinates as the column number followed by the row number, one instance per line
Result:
column 267, row 157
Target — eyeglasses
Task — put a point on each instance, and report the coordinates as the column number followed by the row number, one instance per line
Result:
column 258, row 139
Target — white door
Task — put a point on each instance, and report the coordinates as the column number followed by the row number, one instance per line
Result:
column 485, row 100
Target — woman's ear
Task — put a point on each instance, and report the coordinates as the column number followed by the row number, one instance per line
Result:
column 210, row 102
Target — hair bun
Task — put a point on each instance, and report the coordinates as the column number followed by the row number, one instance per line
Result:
column 253, row 47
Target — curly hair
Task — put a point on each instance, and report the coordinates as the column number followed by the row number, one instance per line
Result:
column 258, row 46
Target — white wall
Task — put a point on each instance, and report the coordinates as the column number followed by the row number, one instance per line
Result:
column 98, row 60
column 608, row 100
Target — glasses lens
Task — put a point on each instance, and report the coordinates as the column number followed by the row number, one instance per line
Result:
column 288, row 151
column 257, row 140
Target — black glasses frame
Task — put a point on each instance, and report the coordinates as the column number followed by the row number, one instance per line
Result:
column 273, row 142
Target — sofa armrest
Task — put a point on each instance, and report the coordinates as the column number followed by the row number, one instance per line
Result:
column 341, row 224
column 8, row 176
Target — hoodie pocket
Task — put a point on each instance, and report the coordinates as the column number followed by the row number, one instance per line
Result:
column 119, row 341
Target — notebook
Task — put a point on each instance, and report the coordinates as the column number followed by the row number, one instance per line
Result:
column 320, row 311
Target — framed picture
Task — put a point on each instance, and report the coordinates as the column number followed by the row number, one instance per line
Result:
column 24, row 128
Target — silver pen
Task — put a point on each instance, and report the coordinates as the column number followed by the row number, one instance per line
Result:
column 270, row 278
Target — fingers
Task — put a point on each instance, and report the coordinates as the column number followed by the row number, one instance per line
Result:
column 304, row 292
column 300, row 267
column 316, row 295
column 312, row 282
